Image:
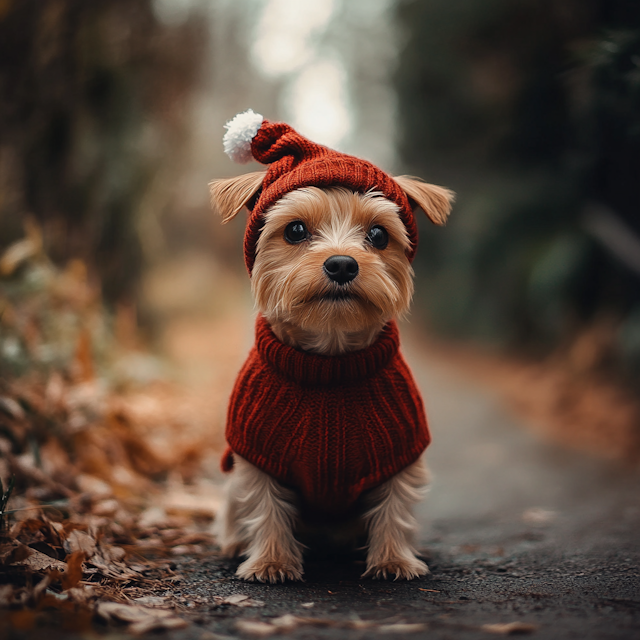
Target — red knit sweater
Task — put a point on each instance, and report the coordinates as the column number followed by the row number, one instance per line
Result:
column 330, row 427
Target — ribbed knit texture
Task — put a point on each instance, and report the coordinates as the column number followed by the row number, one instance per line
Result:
column 330, row 427
column 296, row 162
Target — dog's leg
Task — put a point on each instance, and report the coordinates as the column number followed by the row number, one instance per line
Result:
column 258, row 520
column 391, row 525
column 227, row 528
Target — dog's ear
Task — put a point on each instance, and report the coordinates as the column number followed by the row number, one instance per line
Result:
column 433, row 200
column 228, row 196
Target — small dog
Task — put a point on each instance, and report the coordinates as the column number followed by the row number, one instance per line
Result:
column 325, row 423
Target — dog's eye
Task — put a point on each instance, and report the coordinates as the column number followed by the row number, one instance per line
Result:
column 296, row 232
column 378, row 237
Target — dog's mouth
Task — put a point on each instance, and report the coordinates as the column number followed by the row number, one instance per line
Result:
column 338, row 295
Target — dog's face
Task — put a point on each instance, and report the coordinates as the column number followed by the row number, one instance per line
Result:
column 331, row 265
column 331, row 258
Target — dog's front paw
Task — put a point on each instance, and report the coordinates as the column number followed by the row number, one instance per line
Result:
column 269, row 571
column 402, row 568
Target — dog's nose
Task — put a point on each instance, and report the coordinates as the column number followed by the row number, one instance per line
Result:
column 341, row 269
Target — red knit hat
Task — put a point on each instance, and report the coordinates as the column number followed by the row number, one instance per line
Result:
column 296, row 162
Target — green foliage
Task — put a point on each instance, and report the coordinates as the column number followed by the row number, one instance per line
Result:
column 530, row 111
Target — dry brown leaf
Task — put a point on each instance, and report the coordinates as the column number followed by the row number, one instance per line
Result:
column 112, row 569
column 79, row 541
column 82, row 594
column 116, row 554
column 22, row 620
column 13, row 408
column 239, row 600
column 37, row 561
column 198, row 505
column 187, row 549
column 22, row 250
column 152, row 601
column 157, row 624
column 128, row 612
column 256, row 628
column 509, row 628
column 140, row 619
column 40, row 589
column 12, row 551
column 83, row 363
column 290, row 622
column 402, row 627
column 95, row 486
column 105, row 507
column 6, row 595
column 73, row 574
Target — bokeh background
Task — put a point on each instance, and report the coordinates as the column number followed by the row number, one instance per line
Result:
column 111, row 116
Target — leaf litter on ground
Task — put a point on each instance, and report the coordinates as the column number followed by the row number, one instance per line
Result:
column 94, row 508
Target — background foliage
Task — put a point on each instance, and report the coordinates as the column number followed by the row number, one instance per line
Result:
column 531, row 111
column 92, row 120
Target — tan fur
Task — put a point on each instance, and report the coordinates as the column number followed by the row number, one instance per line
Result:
column 259, row 516
column 257, row 520
column 392, row 527
column 289, row 285
column 228, row 196
column 433, row 200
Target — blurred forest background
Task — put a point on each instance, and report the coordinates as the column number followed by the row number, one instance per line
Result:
column 111, row 116
column 125, row 308
column 110, row 125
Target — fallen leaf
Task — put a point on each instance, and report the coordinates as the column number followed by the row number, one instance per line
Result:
column 152, row 517
column 73, row 574
column 38, row 561
column 105, row 507
column 157, row 624
column 509, row 628
column 402, row 627
column 141, row 619
column 94, row 486
column 22, row 620
column 79, row 541
column 236, row 598
column 81, row 594
column 256, row 628
column 13, row 551
column 180, row 501
column 186, row 549
column 6, row 595
column 152, row 601
column 10, row 406
column 239, row 600
column 20, row 251
column 289, row 622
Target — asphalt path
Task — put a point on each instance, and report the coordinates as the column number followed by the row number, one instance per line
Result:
column 516, row 531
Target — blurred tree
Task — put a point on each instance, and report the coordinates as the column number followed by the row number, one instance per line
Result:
column 531, row 112
column 92, row 121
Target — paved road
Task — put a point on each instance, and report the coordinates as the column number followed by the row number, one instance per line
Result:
column 514, row 530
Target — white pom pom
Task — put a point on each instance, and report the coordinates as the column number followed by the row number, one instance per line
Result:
column 240, row 132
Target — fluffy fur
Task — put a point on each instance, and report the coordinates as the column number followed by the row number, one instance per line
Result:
column 291, row 290
column 309, row 311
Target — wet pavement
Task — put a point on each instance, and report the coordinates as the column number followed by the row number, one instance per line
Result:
column 515, row 530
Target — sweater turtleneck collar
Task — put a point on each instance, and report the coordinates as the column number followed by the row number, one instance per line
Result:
column 312, row 369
